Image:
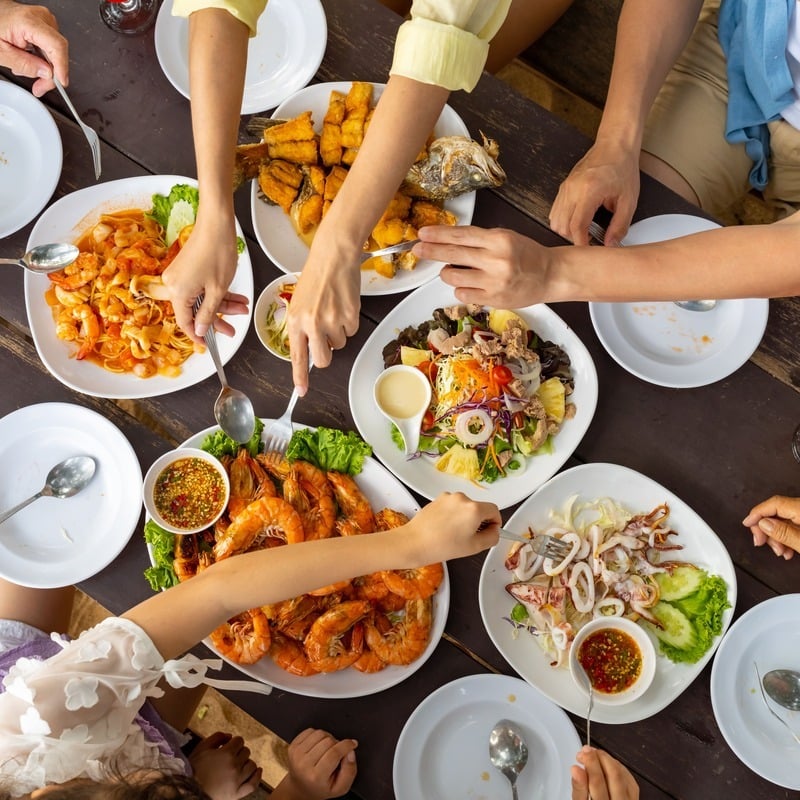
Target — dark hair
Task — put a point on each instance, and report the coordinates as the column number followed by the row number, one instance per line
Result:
column 155, row 786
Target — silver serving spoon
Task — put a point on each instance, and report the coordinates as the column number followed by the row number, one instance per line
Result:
column 45, row 258
column 63, row 480
column 508, row 752
column 783, row 686
column 583, row 678
column 233, row 410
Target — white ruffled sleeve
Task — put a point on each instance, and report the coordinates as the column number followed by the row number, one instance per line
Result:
column 70, row 715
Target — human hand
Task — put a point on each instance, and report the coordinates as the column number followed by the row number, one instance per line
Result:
column 452, row 526
column 606, row 176
column 601, row 778
column 776, row 522
column 324, row 308
column 320, row 766
column 223, row 767
column 205, row 265
column 22, row 26
column 505, row 269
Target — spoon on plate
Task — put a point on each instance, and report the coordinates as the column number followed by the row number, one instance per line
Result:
column 45, row 258
column 508, row 752
column 65, row 479
column 783, row 686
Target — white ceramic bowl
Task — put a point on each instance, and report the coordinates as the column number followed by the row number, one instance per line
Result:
column 268, row 296
column 160, row 464
column 645, row 644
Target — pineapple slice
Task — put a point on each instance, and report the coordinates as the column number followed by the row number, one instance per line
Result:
column 460, row 461
column 413, row 356
column 553, row 396
column 500, row 317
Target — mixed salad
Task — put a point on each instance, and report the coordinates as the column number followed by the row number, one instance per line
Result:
column 499, row 391
column 275, row 333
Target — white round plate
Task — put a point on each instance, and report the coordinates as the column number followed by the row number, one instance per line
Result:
column 274, row 229
column 57, row 542
column 282, row 57
column 670, row 346
column 442, row 751
column 421, row 473
column 383, row 491
column 767, row 635
column 66, row 220
column 30, row 157
column 639, row 494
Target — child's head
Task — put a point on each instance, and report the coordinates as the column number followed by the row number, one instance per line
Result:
column 146, row 785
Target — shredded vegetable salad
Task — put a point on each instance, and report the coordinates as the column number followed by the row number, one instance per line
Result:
column 275, row 324
column 616, row 566
column 499, row 392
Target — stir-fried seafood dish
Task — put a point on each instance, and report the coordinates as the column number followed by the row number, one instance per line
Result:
column 110, row 302
column 302, row 171
column 498, row 391
column 366, row 623
column 614, row 568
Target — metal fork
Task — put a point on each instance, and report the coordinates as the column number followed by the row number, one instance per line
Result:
column 770, row 709
column 387, row 251
column 89, row 133
column 542, row 544
column 276, row 437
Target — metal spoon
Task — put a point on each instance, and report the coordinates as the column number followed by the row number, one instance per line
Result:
column 46, row 258
column 783, row 686
column 508, row 752
column 63, row 480
column 233, row 410
column 583, row 678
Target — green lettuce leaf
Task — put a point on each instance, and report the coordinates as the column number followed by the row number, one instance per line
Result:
column 161, row 575
column 329, row 449
column 220, row 444
column 162, row 206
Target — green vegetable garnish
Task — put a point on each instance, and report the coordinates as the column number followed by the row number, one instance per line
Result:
column 161, row 575
column 519, row 613
column 220, row 444
column 329, row 449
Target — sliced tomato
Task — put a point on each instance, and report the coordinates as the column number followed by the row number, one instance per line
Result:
column 502, row 374
column 429, row 368
column 428, row 420
column 285, row 296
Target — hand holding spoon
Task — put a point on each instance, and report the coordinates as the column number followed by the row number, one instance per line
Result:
column 64, row 480
column 508, row 752
column 45, row 258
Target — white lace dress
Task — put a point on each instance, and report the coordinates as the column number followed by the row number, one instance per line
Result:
column 73, row 714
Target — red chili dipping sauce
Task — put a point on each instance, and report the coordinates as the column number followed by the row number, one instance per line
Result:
column 189, row 493
column 612, row 660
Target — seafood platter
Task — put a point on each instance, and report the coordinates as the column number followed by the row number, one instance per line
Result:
column 513, row 393
column 344, row 640
column 103, row 325
column 303, row 156
column 636, row 551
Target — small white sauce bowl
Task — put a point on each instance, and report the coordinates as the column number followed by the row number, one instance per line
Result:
column 268, row 296
column 642, row 639
column 160, row 464
column 409, row 419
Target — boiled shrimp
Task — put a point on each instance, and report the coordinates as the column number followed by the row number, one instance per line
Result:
column 324, row 644
column 414, row 584
column 290, row 655
column 352, row 502
column 307, row 490
column 267, row 517
column 245, row 638
column 248, row 482
column 407, row 639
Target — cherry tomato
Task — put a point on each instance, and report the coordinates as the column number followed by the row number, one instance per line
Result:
column 428, row 420
column 502, row 374
column 429, row 368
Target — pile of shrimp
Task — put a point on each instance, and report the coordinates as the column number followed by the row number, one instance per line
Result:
column 608, row 572
column 110, row 301
column 366, row 623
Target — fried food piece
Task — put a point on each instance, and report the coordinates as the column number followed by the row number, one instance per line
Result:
column 333, row 183
column 280, row 182
column 349, row 156
column 358, row 100
column 392, row 231
column 294, row 140
column 306, row 211
column 423, row 212
column 400, row 206
column 383, row 265
column 248, row 161
column 330, row 143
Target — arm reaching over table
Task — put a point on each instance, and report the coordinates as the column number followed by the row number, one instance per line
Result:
column 22, row 26
column 776, row 522
column 508, row 270
column 601, row 777
column 439, row 50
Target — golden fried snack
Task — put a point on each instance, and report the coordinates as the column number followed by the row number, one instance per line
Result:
column 333, row 183
column 424, row 212
column 280, row 182
column 330, row 143
column 306, row 211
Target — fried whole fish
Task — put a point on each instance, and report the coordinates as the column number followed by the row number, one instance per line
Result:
column 455, row 165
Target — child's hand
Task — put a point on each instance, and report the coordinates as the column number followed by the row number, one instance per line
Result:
column 223, row 767
column 320, row 767
column 602, row 778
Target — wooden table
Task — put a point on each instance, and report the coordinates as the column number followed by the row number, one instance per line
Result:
column 721, row 448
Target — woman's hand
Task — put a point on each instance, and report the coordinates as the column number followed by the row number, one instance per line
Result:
column 22, row 26
column 776, row 522
column 320, row 766
column 601, row 778
column 223, row 767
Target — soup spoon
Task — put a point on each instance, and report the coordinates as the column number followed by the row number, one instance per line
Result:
column 508, row 752
column 64, row 480
column 783, row 686
column 45, row 258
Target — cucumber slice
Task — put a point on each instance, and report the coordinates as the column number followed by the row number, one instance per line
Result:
column 681, row 582
column 182, row 214
column 678, row 630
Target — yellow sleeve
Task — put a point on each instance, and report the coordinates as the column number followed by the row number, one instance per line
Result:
column 247, row 11
column 446, row 42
